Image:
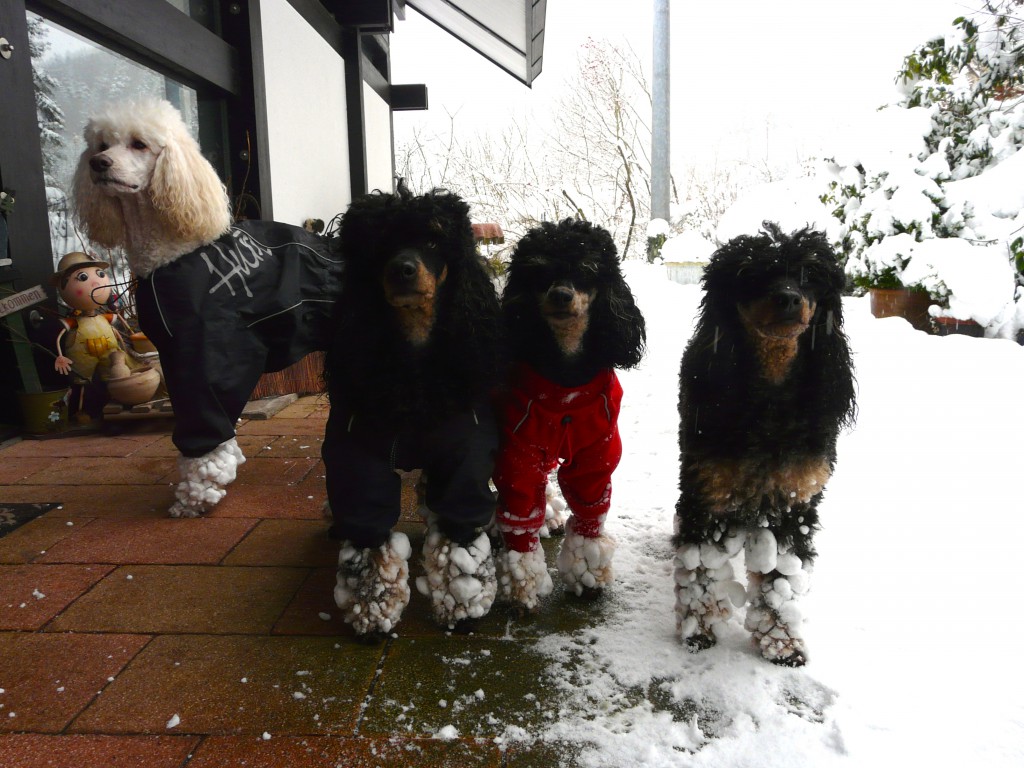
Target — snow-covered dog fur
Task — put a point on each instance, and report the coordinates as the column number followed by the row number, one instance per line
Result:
column 415, row 357
column 766, row 385
column 209, row 295
column 571, row 321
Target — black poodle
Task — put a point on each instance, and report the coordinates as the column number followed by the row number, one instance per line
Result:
column 571, row 321
column 416, row 355
column 766, row 385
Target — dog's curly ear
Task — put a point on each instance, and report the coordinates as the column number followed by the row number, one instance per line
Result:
column 617, row 326
column 187, row 191
column 98, row 215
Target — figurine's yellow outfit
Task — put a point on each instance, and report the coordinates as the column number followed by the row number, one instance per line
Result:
column 91, row 339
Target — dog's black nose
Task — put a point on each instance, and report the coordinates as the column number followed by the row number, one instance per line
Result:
column 403, row 268
column 560, row 295
column 100, row 163
column 788, row 300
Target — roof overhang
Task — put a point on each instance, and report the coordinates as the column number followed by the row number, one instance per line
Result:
column 509, row 33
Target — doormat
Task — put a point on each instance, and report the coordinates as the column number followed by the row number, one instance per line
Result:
column 14, row 515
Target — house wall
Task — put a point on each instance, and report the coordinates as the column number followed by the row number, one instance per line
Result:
column 306, row 118
column 377, row 119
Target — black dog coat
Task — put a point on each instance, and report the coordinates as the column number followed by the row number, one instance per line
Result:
column 256, row 300
column 363, row 460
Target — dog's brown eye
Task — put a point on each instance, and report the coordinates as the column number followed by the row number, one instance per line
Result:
column 139, row 144
column 103, row 146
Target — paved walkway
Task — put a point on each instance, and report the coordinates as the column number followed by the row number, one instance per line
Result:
column 131, row 639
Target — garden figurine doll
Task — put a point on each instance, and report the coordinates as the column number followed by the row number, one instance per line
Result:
column 85, row 285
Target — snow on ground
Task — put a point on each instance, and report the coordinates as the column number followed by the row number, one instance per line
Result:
column 912, row 621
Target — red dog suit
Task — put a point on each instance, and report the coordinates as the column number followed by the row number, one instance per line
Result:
column 542, row 422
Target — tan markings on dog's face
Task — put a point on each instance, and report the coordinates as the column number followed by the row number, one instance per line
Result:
column 414, row 300
column 567, row 313
column 775, row 337
column 729, row 486
column 122, row 164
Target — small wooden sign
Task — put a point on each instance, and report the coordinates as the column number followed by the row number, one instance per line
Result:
column 18, row 301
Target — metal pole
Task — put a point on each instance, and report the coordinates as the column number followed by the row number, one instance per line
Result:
column 660, row 171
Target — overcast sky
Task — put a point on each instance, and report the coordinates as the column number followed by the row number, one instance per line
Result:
column 743, row 72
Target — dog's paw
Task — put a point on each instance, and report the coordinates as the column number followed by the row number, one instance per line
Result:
column 700, row 642
column 524, row 577
column 203, row 479
column 584, row 563
column 373, row 584
column 774, row 619
column 460, row 579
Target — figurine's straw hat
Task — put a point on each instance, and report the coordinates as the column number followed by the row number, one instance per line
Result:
column 72, row 261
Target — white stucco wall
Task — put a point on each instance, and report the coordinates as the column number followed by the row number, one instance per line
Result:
column 306, row 116
column 377, row 119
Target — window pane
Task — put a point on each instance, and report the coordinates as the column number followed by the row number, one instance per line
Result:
column 74, row 78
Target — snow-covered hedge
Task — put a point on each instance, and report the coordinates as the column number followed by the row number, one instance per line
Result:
column 937, row 201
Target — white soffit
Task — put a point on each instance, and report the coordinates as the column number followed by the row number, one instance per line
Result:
column 509, row 33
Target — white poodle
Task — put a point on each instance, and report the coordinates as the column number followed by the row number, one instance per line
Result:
column 222, row 303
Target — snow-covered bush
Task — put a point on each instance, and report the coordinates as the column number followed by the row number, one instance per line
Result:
column 950, row 170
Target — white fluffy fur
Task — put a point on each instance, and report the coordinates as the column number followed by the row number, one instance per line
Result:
column 373, row 584
column 523, row 577
column 142, row 185
column 585, row 563
column 203, row 479
column 460, row 580
column 159, row 198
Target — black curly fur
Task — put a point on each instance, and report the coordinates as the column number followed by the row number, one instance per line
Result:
column 371, row 369
column 585, row 256
column 731, row 412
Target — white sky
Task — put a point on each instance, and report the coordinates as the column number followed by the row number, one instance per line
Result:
column 796, row 65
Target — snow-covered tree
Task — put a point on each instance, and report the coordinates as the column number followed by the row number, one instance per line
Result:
column 48, row 112
column 942, row 208
column 592, row 161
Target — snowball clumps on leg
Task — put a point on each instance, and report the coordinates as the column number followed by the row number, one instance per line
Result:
column 773, row 617
column 556, row 511
column 524, row 577
column 706, row 590
column 203, row 479
column 373, row 584
column 585, row 563
column 460, row 579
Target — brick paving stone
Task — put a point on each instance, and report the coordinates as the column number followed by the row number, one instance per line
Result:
column 159, row 541
column 23, row 470
column 293, row 446
column 182, row 598
column 31, row 595
column 302, row 543
column 273, row 471
column 34, row 539
column 544, row 755
column 278, row 426
column 89, row 471
column 312, row 611
column 33, row 750
column 324, row 752
column 237, row 685
column 478, row 685
column 49, row 678
column 271, row 501
column 97, row 444
column 117, row 501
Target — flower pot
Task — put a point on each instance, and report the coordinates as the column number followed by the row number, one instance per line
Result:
column 137, row 387
column 949, row 326
column 912, row 305
column 44, row 412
